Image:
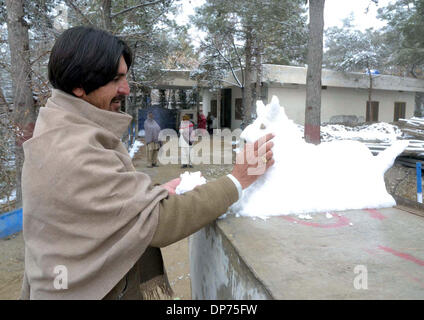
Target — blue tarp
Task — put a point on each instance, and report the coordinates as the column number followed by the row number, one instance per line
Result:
column 166, row 118
column 10, row 223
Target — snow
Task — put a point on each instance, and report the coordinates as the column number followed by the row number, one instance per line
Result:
column 379, row 132
column 11, row 198
column 135, row 147
column 305, row 179
column 189, row 180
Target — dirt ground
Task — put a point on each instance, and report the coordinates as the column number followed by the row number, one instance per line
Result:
column 399, row 179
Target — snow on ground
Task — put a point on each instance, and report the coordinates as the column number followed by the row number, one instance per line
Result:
column 378, row 132
column 11, row 198
column 333, row 176
column 135, row 147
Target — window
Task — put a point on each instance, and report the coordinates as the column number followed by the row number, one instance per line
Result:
column 238, row 110
column 372, row 113
column 399, row 111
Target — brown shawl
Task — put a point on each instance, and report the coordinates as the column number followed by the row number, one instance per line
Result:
column 84, row 205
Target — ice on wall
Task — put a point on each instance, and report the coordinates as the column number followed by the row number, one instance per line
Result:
column 333, row 176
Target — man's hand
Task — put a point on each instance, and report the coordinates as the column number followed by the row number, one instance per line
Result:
column 171, row 185
column 253, row 161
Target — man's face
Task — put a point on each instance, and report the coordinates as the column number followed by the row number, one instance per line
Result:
column 109, row 96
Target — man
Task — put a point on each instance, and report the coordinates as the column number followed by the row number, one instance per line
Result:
column 151, row 129
column 93, row 226
column 210, row 119
column 185, row 141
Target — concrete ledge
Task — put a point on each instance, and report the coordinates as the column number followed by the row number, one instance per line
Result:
column 288, row 258
column 218, row 272
column 410, row 206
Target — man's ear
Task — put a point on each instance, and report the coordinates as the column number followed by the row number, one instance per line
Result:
column 79, row 92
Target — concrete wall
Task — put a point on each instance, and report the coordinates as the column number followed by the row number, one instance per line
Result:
column 286, row 257
column 334, row 102
column 280, row 74
column 342, row 101
column 217, row 271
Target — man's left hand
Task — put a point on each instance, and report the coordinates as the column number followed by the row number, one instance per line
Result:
column 171, row 185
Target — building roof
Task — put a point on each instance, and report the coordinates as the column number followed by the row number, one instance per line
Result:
column 279, row 75
column 290, row 76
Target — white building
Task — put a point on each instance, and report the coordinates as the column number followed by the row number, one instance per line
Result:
column 343, row 94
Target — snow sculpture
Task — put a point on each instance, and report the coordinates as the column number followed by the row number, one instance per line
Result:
column 333, row 176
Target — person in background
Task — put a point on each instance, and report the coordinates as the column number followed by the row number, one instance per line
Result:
column 152, row 130
column 201, row 120
column 185, row 141
column 209, row 121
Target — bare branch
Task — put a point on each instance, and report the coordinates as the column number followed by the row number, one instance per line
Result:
column 5, row 66
column 239, row 59
column 229, row 64
column 41, row 56
column 78, row 11
column 114, row 15
column 3, row 101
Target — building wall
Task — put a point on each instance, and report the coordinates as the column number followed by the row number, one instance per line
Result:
column 217, row 270
column 342, row 101
column 334, row 101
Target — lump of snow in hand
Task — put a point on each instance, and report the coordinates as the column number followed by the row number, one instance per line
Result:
column 189, row 180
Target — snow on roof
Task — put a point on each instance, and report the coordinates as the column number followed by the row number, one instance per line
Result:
column 290, row 75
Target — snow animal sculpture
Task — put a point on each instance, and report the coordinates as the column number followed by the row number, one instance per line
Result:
column 305, row 178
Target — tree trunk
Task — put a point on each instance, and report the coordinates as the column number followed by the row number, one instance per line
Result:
column 258, row 61
column 107, row 20
column 197, row 101
column 370, row 93
column 24, row 113
column 313, row 77
column 248, row 78
column 4, row 106
column 218, row 109
column 419, row 104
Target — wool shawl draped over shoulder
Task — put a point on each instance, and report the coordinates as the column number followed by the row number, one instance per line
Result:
column 86, row 210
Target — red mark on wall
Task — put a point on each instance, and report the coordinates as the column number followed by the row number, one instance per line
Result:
column 341, row 222
column 403, row 255
column 375, row 214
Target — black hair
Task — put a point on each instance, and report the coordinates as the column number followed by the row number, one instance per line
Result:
column 85, row 57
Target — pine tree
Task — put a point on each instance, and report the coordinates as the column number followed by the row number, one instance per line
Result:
column 242, row 33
